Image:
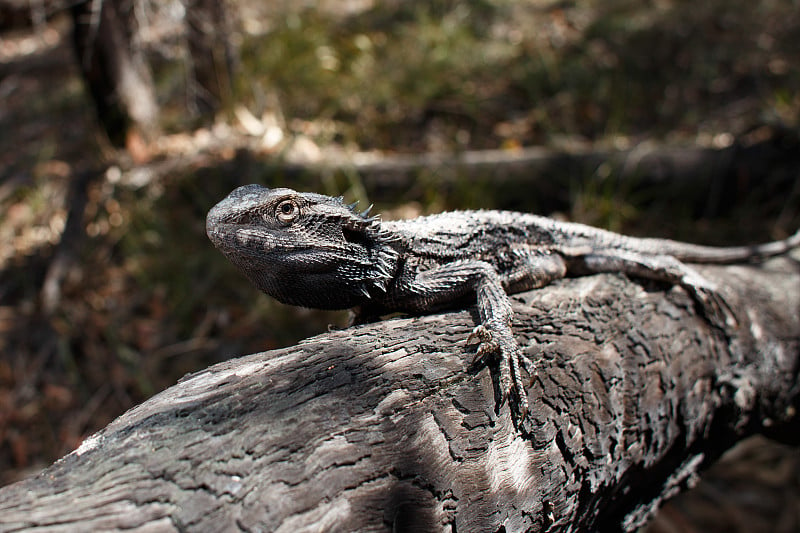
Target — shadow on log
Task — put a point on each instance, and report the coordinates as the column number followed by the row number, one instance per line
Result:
column 383, row 427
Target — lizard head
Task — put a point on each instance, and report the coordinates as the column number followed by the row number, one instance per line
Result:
column 303, row 248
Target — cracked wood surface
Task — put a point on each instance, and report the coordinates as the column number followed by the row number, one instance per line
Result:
column 384, row 426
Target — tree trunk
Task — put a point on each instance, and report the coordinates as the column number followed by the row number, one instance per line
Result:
column 210, row 55
column 384, row 426
column 114, row 69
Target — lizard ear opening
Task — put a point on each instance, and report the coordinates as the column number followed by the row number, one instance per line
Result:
column 354, row 236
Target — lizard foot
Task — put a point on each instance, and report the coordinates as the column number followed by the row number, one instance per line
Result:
column 499, row 342
column 715, row 308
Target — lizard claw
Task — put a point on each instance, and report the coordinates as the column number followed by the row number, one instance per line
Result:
column 479, row 333
column 487, row 346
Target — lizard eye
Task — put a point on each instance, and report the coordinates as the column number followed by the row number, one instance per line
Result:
column 287, row 211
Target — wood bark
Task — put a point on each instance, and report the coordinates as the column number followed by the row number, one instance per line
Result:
column 386, row 426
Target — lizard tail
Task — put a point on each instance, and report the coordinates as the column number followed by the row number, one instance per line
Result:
column 733, row 254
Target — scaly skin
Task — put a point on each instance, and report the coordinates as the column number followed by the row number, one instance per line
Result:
column 314, row 251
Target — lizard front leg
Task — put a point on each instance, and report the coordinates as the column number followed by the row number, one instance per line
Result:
column 447, row 283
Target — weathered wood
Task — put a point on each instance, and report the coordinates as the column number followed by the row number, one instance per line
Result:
column 383, row 426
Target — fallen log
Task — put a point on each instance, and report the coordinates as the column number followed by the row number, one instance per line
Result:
column 385, row 426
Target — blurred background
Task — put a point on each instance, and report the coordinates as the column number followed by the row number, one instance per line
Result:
column 123, row 121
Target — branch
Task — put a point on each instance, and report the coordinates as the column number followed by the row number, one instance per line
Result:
column 708, row 180
column 384, row 425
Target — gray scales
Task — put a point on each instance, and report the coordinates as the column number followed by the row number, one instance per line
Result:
column 315, row 251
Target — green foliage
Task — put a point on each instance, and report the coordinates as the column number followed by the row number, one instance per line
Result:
column 470, row 70
column 371, row 75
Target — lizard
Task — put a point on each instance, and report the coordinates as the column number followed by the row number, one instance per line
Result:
column 312, row 250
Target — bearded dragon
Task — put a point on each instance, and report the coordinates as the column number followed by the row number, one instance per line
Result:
column 315, row 251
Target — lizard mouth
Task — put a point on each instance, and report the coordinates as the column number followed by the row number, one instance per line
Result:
column 246, row 237
column 248, row 247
